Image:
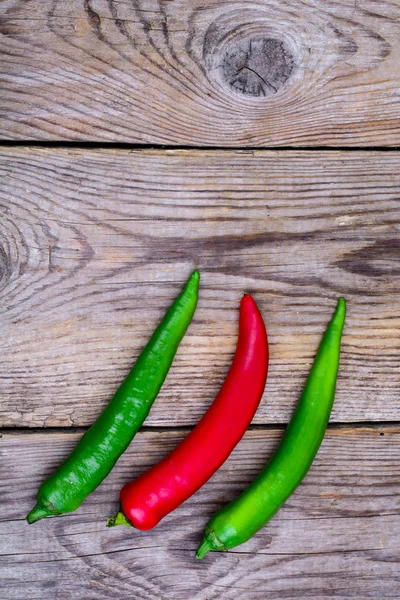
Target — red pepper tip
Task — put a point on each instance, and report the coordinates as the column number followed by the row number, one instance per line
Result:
column 247, row 300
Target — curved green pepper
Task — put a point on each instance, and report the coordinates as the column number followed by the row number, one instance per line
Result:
column 242, row 518
column 105, row 441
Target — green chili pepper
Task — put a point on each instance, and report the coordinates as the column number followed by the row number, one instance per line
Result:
column 242, row 518
column 105, row 441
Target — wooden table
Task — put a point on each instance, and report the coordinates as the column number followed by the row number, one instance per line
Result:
column 257, row 142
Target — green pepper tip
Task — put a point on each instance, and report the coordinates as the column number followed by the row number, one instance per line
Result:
column 340, row 313
column 195, row 276
column 341, row 305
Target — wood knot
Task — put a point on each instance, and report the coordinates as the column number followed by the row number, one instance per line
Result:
column 5, row 267
column 258, row 66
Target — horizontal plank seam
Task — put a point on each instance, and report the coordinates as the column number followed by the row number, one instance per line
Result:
column 187, row 428
column 375, row 515
column 137, row 146
column 192, row 550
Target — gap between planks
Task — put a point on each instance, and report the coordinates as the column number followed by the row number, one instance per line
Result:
column 386, row 426
column 87, row 145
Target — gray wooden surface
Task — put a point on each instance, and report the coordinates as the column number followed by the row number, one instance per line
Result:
column 97, row 239
column 336, row 537
column 204, row 72
column 100, row 242
column 95, row 245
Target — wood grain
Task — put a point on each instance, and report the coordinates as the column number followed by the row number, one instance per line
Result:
column 96, row 244
column 336, row 537
column 220, row 73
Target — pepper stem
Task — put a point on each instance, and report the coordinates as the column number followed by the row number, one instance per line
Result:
column 118, row 519
column 37, row 513
column 204, row 548
column 43, row 508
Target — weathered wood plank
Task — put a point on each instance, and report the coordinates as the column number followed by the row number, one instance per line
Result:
column 96, row 244
column 337, row 537
column 201, row 73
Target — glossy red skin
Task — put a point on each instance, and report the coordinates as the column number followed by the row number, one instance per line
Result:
column 146, row 500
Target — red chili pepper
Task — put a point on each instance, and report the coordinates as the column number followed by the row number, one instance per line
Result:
column 145, row 501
